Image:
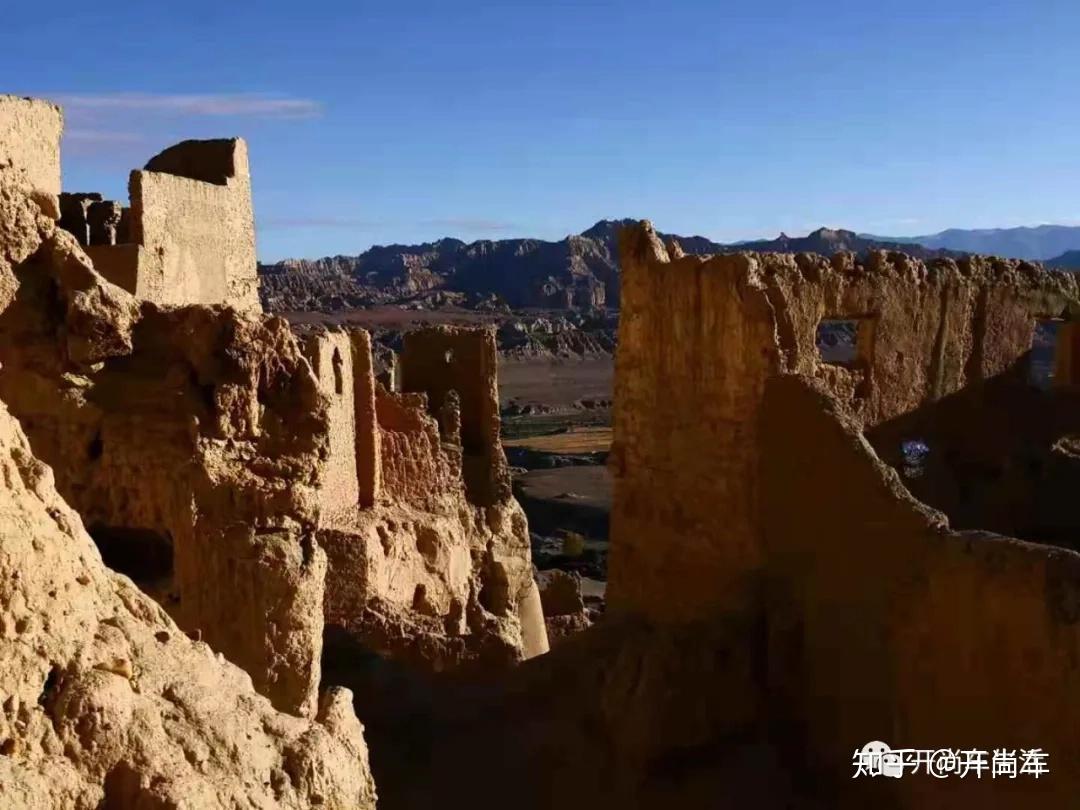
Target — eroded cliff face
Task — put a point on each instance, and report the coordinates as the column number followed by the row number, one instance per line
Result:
column 106, row 702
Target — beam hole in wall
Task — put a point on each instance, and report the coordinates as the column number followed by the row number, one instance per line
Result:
column 837, row 340
column 339, row 380
column 1042, row 359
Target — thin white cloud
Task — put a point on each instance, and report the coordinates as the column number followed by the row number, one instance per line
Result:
column 252, row 105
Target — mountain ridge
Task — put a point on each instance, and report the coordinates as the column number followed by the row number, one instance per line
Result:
column 578, row 272
column 1034, row 243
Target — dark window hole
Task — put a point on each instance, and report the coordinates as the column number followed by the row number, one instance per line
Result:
column 144, row 555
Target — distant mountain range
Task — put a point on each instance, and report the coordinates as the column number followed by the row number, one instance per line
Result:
column 578, row 272
column 1040, row 243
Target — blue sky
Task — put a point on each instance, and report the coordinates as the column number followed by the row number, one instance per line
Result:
column 371, row 123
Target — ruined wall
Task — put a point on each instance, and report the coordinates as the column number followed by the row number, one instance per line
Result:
column 106, row 702
column 331, row 358
column 695, row 348
column 256, row 485
column 208, row 452
column 942, row 355
column 875, row 620
column 189, row 235
column 884, row 624
column 30, row 132
column 439, row 360
column 193, row 442
column 945, row 359
column 200, row 224
column 368, row 437
column 421, row 572
column 152, row 422
column 930, row 330
column 413, row 467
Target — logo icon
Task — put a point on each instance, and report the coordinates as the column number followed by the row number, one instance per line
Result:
column 878, row 759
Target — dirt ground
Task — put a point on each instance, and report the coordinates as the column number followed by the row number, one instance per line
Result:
column 571, row 440
column 575, row 498
column 556, row 383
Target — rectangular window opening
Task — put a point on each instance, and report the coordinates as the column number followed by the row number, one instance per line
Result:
column 838, row 340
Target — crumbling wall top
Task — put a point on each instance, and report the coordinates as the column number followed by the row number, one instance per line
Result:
column 30, row 132
column 211, row 161
column 931, row 327
column 191, row 210
column 442, row 359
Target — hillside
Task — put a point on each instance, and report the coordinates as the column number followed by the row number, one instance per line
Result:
column 1069, row 260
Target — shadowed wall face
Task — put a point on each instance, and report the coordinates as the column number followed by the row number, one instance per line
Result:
column 947, row 363
column 883, row 624
column 695, row 349
column 745, row 486
column 699, row 336
column 368, row 472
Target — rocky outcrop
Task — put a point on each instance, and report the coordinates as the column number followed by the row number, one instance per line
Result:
column 574, row 335
column 824, row 242
column 579, row 272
